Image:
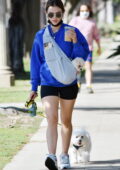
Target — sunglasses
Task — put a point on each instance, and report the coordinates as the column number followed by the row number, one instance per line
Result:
column 57, row 14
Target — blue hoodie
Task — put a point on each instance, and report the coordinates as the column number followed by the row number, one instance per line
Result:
column 40, row 73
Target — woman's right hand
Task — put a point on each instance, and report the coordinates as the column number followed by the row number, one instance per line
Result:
column 33, row 95
column 30, row 100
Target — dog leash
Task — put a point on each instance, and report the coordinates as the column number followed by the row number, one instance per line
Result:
column 33, row 103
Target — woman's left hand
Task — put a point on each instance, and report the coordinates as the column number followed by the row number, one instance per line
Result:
column 72, row 35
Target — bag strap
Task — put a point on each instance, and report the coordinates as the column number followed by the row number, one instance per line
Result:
column 51, row 39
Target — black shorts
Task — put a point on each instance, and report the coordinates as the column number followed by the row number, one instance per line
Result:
column 68, row 92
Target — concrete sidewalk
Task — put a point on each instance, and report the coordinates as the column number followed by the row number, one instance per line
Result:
column 99, row 113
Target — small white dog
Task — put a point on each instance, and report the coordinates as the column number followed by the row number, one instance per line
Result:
column 81, row 146
column 78, row 63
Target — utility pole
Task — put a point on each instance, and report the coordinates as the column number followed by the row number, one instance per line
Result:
column 6, row 76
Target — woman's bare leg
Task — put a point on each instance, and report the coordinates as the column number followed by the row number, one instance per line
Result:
column 66, row 116
column 50, row 104
column 88, row 73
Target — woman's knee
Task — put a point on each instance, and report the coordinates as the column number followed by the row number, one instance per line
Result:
column 52, row 119
column 67, row 123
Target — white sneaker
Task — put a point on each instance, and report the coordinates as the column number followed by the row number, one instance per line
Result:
column 64, row 161
column 51, row 162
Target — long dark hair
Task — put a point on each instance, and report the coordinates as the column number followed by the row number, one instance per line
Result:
column 57, row 3
column 89, row 8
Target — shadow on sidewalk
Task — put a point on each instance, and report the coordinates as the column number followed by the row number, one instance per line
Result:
column 113, row 162
column 100, row 165
column 106, row 76
column 97, row 108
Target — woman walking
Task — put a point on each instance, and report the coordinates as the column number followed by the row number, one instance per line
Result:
column 54, row 92
column 88, row 28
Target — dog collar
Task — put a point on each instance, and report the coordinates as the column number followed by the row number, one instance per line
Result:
column 76, row 147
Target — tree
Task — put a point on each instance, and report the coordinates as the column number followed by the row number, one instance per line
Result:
column 118, row 1
column 70, row 7
column 16, row 37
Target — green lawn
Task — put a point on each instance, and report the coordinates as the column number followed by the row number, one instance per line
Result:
column 21, row 90
column 12, row 139
column 110, row 30
column 17, row 93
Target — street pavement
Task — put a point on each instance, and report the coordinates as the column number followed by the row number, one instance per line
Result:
column 99, row 113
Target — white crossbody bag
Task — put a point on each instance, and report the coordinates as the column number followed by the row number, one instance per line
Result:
column 60, row 65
